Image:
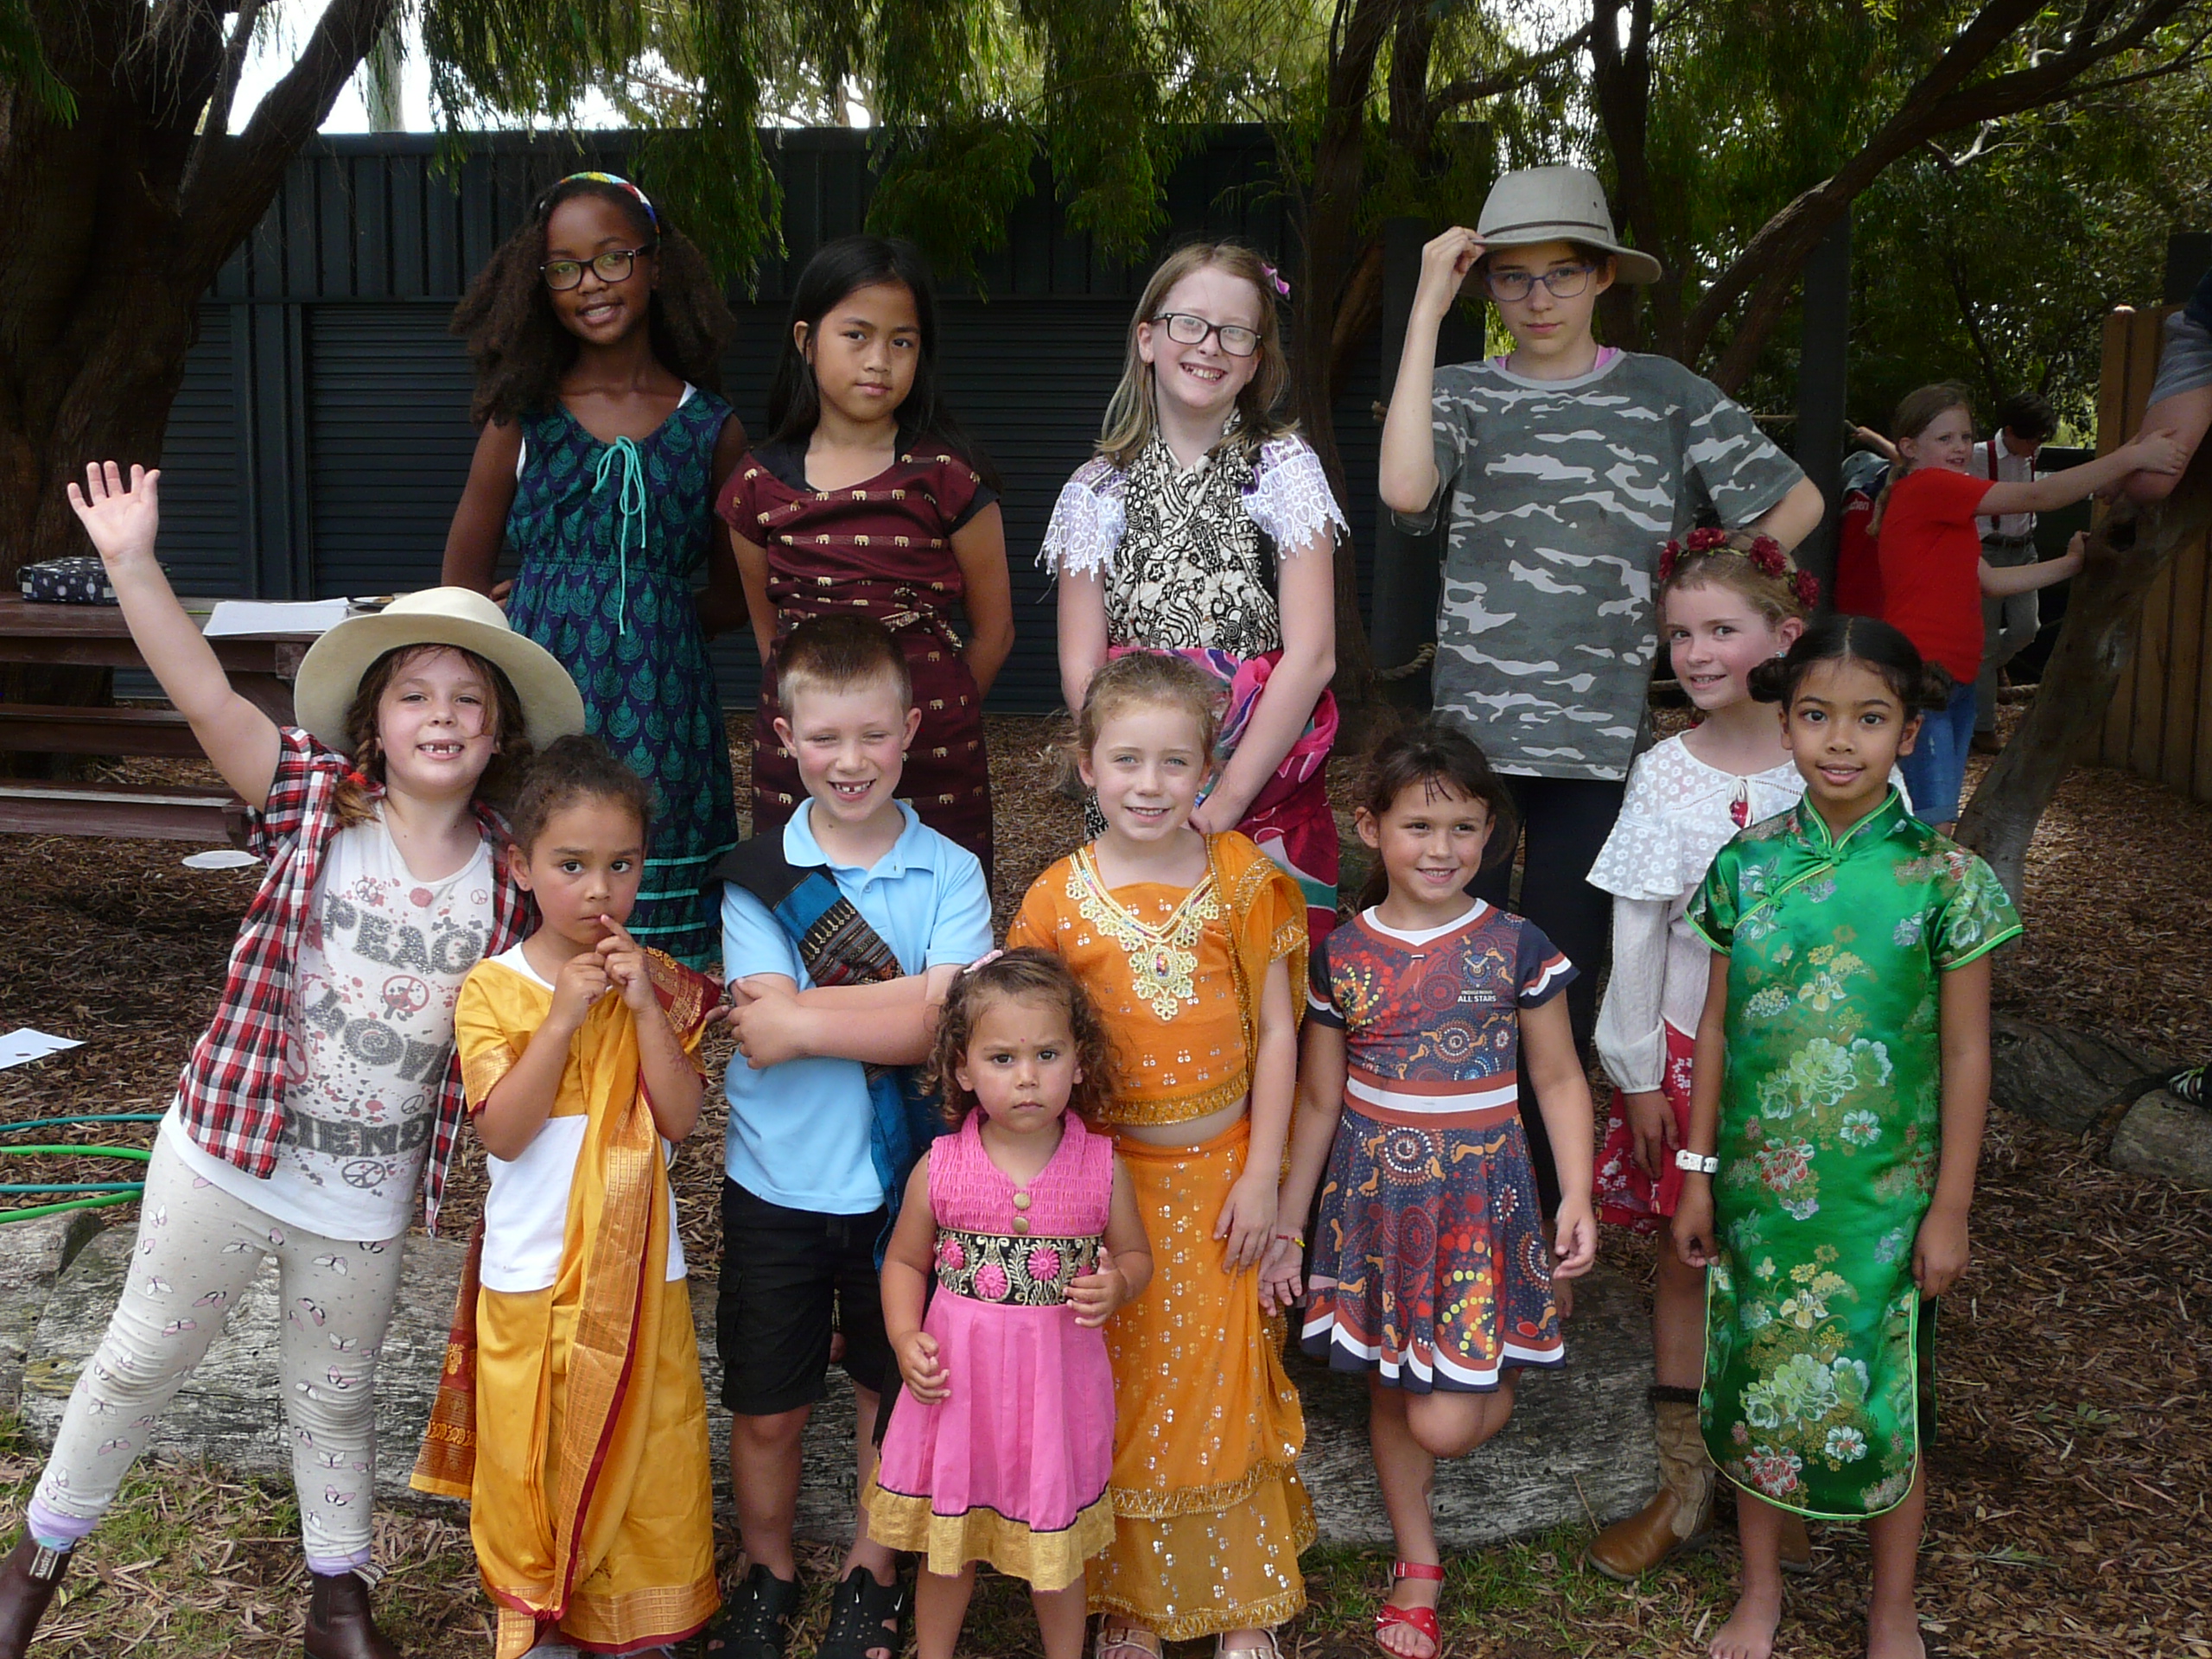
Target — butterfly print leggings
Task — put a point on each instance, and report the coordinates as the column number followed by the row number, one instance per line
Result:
column 199, row 1248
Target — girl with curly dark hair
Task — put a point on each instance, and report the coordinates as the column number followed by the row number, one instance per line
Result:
column 596, row 331
column 866, row 500
column 1001, row 1447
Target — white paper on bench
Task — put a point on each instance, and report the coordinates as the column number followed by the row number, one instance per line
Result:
column 23, row 1045
column 235, row 616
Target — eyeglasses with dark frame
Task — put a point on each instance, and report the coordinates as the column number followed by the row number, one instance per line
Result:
column 1566, row 281
column 1186, row 330
column 613, row 266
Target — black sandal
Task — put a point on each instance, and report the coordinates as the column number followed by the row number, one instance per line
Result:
column 756, row 1621
column 865, row 1618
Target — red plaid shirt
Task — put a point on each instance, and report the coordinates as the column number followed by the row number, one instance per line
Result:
column 231, row 1094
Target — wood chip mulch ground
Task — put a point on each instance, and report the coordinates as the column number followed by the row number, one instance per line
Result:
column 2070, row 1477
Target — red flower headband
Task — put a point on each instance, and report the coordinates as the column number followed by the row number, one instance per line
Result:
column 1764, row 556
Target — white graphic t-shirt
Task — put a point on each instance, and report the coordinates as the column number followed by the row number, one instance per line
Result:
column 379, row 965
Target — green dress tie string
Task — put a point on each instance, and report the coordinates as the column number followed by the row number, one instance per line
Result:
column 630, row 501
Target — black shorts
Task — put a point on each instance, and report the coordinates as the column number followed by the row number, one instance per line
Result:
column 790, row 1278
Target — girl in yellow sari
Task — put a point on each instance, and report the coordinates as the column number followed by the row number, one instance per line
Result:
column 1192, row 946
column 573, row 1361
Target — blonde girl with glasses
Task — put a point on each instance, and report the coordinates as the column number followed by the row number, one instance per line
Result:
column 1204, row 525
column 597, row 333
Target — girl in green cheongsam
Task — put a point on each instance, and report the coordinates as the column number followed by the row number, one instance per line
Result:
column 1840, row 1086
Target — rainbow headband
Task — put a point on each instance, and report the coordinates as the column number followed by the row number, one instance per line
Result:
column 619, row 183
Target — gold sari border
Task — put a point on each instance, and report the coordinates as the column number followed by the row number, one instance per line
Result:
column 1211, row 1621
column 1180, row 1108
column 1047, row 1560
column 1205, row 1500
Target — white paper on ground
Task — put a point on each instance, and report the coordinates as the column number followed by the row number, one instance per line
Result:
column 23, row 1045
column 223, row 858
column 258, row 616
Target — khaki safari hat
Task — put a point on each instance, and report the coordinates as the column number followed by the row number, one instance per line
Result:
column 1558, row 203
column 330, row 674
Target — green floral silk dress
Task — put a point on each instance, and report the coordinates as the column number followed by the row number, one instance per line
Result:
column 1830, row 1129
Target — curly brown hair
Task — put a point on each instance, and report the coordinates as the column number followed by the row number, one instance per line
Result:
column 517, row 343
column 577, row 767
column 355, row 803
column 1028, row 974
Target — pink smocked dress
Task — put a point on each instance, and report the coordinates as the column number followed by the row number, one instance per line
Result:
column 1012, row 1467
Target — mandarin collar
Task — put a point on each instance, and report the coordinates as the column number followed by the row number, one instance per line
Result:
column 1813, row 829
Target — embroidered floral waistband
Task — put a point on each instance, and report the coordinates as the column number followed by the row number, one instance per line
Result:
column 1003, row 1268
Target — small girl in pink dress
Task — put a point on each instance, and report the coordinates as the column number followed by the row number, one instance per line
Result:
column 1001, row 1446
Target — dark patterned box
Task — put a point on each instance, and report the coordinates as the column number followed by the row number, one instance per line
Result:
column 66, row 582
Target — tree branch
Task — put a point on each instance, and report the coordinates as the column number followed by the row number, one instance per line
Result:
column 1472, row 90
column 234, row 183
column 1942, row 101
column 217, row 122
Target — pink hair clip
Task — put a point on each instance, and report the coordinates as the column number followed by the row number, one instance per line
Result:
column 983, row 960
column 1275, row 277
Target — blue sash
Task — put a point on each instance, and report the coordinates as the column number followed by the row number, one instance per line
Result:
column 838, row 947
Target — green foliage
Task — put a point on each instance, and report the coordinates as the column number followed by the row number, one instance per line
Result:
column 22, row 62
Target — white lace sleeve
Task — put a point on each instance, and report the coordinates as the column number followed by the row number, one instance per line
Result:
column 1290, row 498
column 1631, row 1035
column 1086, row 522
column 1643, row 856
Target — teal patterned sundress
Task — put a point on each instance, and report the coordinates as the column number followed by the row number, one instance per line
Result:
column 608, row 535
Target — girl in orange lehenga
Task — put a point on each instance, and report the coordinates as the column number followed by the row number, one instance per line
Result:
column 575, row 1325
column 1190, row 945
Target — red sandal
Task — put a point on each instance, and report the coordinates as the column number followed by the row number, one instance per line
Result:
column 1421, row 1620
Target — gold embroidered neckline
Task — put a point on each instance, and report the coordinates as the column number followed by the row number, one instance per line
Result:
column 1163, row 959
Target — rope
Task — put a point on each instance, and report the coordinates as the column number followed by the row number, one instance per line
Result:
column 1422, row 658
column 86, row 1195
column 629, row 503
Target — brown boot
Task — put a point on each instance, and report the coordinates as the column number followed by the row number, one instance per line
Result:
column 1795, row 1544
column 1680, row 1515
column 338, row 1625
column 29, row 1579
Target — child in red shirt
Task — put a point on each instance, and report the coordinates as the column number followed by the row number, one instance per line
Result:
column 1933, row 577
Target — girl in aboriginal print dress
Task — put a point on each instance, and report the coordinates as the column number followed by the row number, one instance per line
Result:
column 867, row 499
column 1428, row 1270
column 1205, row 526
column 1840, row 1085
column 597, row 333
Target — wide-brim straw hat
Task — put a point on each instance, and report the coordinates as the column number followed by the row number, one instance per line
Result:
column 330, row 674
column 1558, row 203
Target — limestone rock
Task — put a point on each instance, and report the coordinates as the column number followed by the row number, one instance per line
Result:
column 1578, row 1446
column 32, row 1256
column 2167, row 1138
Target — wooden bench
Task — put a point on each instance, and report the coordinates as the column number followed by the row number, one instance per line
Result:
column 51, row 728
column 145, row 811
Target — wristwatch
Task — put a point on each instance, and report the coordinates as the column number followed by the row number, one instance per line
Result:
column 1696, row 1162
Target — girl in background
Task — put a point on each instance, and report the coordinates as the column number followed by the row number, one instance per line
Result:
column 1190, row 945
column 597, row 333
column 1840, row 1087
column 1933, row 577
column 1001, row 1447
column 1205, row 526
column 1430, row 1269
column 867, row 499
column 1727, row 604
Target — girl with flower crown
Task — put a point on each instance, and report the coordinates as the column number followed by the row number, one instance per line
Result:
column 1727, row 603
column 1205, row 526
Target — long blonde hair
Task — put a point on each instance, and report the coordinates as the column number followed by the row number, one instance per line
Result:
column 1132, row 417
column 1916, row 412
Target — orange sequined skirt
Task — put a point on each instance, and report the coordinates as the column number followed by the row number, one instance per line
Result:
column 1209, row 1515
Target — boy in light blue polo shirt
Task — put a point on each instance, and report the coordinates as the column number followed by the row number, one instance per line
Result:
column 807, row 1190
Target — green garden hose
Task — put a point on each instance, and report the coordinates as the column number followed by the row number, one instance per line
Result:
column 86, row 1195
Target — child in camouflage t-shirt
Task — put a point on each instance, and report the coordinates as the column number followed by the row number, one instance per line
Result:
column 1559, row 470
